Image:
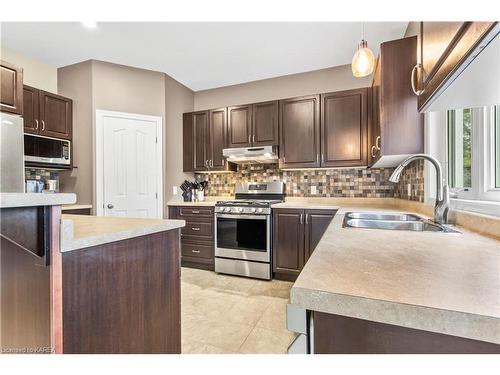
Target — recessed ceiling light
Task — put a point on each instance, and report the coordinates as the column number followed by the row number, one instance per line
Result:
column 89, row 24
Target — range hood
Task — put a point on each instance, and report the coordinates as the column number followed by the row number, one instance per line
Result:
column 251, row 155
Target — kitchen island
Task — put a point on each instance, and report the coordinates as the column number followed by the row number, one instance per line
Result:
column 120, row 285
column 389, row 291
column 86, row 284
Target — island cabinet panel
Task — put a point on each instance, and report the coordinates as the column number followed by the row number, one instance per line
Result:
column 11, row 91
column 124, row 296
column 336, row 334
column 344, row 123
column 29, row 235
column 296, row 233
column 197, row 237
column 265, row 124
column 240, row 126
column 299, row 126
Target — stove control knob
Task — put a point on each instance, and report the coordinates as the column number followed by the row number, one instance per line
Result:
column 253, row 210
column 260, row 210
column 240, row 209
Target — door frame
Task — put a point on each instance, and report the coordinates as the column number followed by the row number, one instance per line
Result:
column 99, row 155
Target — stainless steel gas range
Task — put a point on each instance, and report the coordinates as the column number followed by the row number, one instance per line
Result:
column 243, row 230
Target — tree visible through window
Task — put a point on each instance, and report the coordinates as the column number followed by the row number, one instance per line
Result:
column 460, row 148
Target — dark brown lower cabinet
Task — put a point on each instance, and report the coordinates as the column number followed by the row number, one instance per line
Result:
column 26, row 310
column 296, row 233
column 336, row 334
column 197, row 237
column 123, row 297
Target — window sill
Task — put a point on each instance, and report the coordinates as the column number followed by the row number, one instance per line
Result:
column 483, row 207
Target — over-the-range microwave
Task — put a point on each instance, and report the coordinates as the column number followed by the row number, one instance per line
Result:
column 40, row 151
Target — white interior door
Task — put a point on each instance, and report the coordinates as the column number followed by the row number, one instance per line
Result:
column 130, row 166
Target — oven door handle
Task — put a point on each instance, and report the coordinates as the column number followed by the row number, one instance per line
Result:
column 243, row 216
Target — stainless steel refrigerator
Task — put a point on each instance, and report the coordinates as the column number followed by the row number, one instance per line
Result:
column 11, row 154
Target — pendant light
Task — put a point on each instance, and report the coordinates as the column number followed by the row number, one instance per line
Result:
column 363, row 61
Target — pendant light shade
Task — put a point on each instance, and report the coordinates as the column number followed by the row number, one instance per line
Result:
column 363, row 61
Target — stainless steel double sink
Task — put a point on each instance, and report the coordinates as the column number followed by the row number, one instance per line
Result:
column 393, row 221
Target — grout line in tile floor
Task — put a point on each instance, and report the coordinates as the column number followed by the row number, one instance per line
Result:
column 258, row 323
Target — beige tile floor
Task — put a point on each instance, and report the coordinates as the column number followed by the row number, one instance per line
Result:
column 228, row 314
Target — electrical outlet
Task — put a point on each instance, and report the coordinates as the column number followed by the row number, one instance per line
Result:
column 313, row 190
column 409, row 190
column 174, row 190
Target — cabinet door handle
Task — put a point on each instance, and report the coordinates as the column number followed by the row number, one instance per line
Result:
column 317, row 158
column 253, row 138
column 196, row 229
column 206, row 164
column 412, row 80
column 43, row 125
column 307, row 219
column 195, row 251
column 249, row 138
column 211, row 163
column 36, row 124
column 301, row 219
column 377, row 143
column 373, row 151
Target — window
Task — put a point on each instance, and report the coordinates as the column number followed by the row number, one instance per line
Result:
column 497, row 146
column 460, row 148
column 473, row 154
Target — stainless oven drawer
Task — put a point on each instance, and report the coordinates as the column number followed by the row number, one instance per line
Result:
column 260, row 256
column 243, row 268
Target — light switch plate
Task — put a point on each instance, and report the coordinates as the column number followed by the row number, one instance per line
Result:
column 314, row 191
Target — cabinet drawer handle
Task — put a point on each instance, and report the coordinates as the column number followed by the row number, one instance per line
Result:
column 373, row 151
column 195, row 228
column 412, row 80
column 43, row 125
column 36, row 124
column 195, row 211
column 195, row 251
column 377, row 143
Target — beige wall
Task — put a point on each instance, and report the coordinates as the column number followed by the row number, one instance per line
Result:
column 75, row 82
column 35, row 73
column 315, row 82
column 100, row 85
column 178, row 99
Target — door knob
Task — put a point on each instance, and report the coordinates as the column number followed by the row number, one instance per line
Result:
column 110, row 206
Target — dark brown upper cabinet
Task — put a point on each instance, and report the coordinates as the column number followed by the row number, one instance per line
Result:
column 56, row 115
column 396, row 128
column 31, row 110
column 253, row 125
column 187, row 142
column 299, row 127
column 11, row 90
column 296, row 233
column 47, row 114
column 200, row 140
column 217, row 138
column 446, row 49
column 204, row 138
column 265, row 124
column 344, row 122
column 239, row 126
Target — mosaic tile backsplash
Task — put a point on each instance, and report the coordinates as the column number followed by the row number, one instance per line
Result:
column 40, row 174
column 352, row 183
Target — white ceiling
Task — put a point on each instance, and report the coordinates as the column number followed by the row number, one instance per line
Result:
column 201, row 55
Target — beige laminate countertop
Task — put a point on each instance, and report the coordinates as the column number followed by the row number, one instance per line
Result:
column 9, row 200
column 440, row 282
column 81, row 231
